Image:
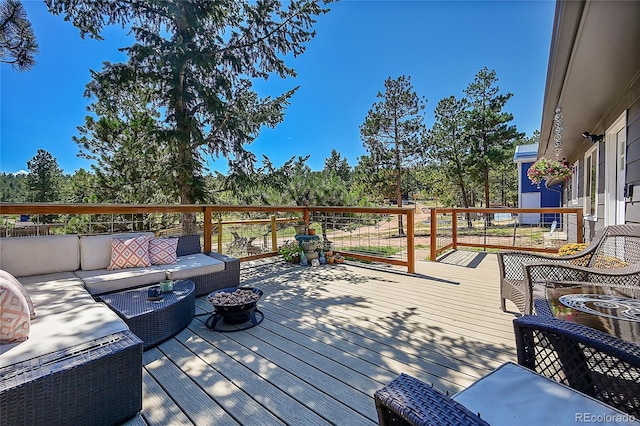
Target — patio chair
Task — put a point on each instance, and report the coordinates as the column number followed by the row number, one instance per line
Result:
column 612, row 257
column 565, row 373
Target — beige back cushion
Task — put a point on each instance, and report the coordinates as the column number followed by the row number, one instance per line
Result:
column 95, row 251
column 25, row 256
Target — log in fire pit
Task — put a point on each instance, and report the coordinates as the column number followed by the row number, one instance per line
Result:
column 237, row 307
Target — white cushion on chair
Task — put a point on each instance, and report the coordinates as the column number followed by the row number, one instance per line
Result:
column 512, row 395
column 193, row 265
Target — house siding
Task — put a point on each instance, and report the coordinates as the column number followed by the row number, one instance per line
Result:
column 632, row 211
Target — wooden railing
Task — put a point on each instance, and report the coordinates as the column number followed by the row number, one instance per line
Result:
column 560, row 225
column 445, row 229
column 211, row 226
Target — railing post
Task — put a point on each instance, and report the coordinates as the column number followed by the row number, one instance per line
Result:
column 219, row 235
column 433, row 249
column 454, row 228
column 579, row 226
column 306, row 218
column 411, row 246
column 274, row 234
column 208, row 229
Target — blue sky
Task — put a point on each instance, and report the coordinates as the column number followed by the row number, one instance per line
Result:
column 441, row 45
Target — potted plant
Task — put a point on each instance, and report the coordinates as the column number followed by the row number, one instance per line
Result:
column 548, row 169
column 310, row 248
column 327, row 246
column 301, row 228
column 290, row 251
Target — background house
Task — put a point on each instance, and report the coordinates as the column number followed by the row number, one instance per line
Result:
column 593, row 81
column 531, row 195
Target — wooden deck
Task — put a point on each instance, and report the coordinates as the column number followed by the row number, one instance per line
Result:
column 331, row 337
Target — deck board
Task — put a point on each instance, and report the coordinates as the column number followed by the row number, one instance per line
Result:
column 331, row 337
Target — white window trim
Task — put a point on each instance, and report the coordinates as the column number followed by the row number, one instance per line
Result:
column 593, row 153
column 575, row 197
column 614, row 206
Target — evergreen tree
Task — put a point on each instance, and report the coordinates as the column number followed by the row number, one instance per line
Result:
column 17, row 41
column 13, row 187
column 199, row 59
column 392, row 129
column 131, row 163
column 376, row 180
column 490, row 135
column 339, row 165
column 45, row 177
column 448, row 146
column 80, row 187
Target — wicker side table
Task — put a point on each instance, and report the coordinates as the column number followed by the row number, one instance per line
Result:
column 154, row 321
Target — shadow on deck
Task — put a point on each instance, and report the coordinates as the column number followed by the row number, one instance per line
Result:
column 331, row 337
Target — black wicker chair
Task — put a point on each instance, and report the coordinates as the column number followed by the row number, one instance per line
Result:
column 409, row 401
column 612, row 257
column 95, row 383
column 585, row 359
column 594, row 363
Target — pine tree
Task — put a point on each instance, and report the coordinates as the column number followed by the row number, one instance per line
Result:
column 339, row 165
column 489, row 133
column 447, row 143
column 199, row 58
column 392, row 131
column 45, row 177
column 17, row 41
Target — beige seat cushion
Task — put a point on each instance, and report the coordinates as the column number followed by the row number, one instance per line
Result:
column 63, row 330
column 514, row 395
column 103, row 281
column 193, row 265
column 54, row 293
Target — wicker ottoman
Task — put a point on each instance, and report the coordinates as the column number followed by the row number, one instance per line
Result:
column 154, row 321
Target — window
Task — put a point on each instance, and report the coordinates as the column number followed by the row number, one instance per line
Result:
column 591, row 182
column 573, row 188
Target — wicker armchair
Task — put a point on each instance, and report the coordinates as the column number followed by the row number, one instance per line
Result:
column 585, row 359
column 612, row 257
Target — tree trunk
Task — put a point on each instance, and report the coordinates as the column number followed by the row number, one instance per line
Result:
column 184, row 156
column 398, row 181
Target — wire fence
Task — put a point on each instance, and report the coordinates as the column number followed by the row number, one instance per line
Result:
column 542, row 230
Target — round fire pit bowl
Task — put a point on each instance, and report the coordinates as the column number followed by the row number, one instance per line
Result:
column 235, row 306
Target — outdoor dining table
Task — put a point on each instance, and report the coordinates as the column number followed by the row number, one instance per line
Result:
column 612, row 309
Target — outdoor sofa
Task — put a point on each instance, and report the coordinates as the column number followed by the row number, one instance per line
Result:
column 81, row 364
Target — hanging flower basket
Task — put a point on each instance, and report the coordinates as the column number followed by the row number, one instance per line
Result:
column 550, row 170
